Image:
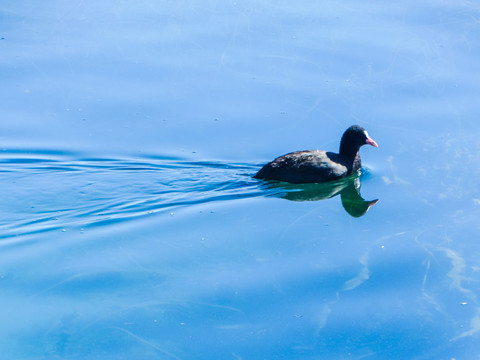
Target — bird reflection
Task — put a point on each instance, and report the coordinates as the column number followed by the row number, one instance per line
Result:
column 348, row 188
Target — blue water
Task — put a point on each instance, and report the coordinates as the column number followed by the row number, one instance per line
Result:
column 131, row 227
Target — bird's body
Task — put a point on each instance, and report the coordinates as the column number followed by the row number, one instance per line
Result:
column 312, row 166
column 318, row 166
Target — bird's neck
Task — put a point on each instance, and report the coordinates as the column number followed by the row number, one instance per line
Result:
column 351, row 159
column 349, row 151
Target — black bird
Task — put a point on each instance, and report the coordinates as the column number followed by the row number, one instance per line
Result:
column 318, row 166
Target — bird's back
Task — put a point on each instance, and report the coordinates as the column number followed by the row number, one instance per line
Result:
column 307, row 167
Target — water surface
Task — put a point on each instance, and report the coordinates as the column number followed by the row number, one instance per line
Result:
column 130, row 226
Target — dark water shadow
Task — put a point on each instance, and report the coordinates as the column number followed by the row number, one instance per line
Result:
column 348, row 189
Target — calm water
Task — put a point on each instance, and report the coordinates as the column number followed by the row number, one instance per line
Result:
column 130, row 226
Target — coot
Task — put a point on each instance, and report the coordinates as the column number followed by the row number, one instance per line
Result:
column 317, row 166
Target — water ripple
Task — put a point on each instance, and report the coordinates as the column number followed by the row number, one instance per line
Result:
column 45, row 190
